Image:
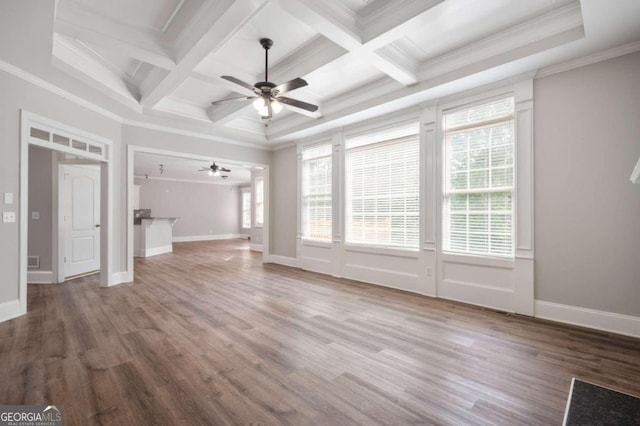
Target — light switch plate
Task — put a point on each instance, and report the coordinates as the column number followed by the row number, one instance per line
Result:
column 8, row 217
column 35, row 215
column 8, row 197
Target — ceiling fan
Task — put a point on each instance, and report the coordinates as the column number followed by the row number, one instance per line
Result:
column 266, row 95
column 214, row 170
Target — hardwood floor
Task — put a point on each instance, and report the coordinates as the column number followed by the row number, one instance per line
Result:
column 207, row 335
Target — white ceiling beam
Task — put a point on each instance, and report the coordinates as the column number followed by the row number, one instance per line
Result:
column 215, row 24
column 222, row 114
column 450, row 72
column 74, row 21
column 75, row 61
column 344, row 27
column 387, row 24
column 551, row 29
column 311, row 56
column 396, row 64
column 150, row 54
column 331, row 19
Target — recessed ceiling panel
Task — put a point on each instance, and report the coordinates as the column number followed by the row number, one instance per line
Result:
column 342, row 75
column 140, row 14
column 244, row 53
column 199, row 92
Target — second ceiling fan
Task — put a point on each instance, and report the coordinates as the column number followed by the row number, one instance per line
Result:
column 266, row 95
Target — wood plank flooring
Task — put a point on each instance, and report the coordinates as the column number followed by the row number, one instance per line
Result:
column 208, row 335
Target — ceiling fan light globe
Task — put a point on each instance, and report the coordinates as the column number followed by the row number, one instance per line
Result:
column 264, row 111
column 276, row 106
column 210, row 173
column 259, row 104
column 216, row 173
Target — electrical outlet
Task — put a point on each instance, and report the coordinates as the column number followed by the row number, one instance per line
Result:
column 35, row 215
column 8, row 217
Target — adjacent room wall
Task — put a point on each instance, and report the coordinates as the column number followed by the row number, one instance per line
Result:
column 587, row 212
column 206, row 211
column 40, row 200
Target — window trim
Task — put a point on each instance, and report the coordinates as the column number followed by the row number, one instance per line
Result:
column 243, row 191
column 458, row 103
column 257, row 224
column 301, row 183
column 394, row 121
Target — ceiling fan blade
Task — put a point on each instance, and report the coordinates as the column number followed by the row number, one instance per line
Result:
column 298, row 104
column 239, row 82
column 222, row 169
column 224, row 101
column 294, row 84
column 204, row 170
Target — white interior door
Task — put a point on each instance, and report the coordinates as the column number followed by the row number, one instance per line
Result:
column 81, row 198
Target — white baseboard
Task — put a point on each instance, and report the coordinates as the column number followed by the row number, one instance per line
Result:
column 39, row 277
column 208, row 237
column 10, row 310
column 255, row 247
column 156, row 251
column 119, row 278
column 283, row 260
column 600, row 320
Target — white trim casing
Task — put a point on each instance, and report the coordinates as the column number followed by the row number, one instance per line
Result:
column 283, row 260
column 39, row 277
column 156, row 251
column 10, row 310
column 503, row 284
column 600, row 320
column 635, row 175
column 208, row 237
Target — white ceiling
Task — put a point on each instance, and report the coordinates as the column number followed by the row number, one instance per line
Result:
column 361, row 58
column 186, row 169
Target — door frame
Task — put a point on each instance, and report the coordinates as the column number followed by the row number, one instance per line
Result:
column 132, row 149
column 104, row 157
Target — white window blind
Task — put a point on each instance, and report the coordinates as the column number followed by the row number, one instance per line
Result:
column 478, row 193
column 246, row 209
column 259, row 219
column 383, row 187
column 316, row 191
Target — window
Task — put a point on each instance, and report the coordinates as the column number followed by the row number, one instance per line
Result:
column 246, row 209
column 316, row 191
column 382, row 188
column 478, row 192
column 259, row 221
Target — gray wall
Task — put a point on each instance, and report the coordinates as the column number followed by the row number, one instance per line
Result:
column 40, row 200
column 16, row 95
column 284, row 190
column 203, row 209
column 587, row 212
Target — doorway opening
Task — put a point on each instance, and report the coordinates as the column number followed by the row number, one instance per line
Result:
column 61, row 221
column 186, row 198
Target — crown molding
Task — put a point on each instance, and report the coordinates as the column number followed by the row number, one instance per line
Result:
column 193, row 134
column 604, row 55
column 37, row 81
column 220, row 183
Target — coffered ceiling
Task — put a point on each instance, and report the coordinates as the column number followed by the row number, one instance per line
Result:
column 361, row 58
